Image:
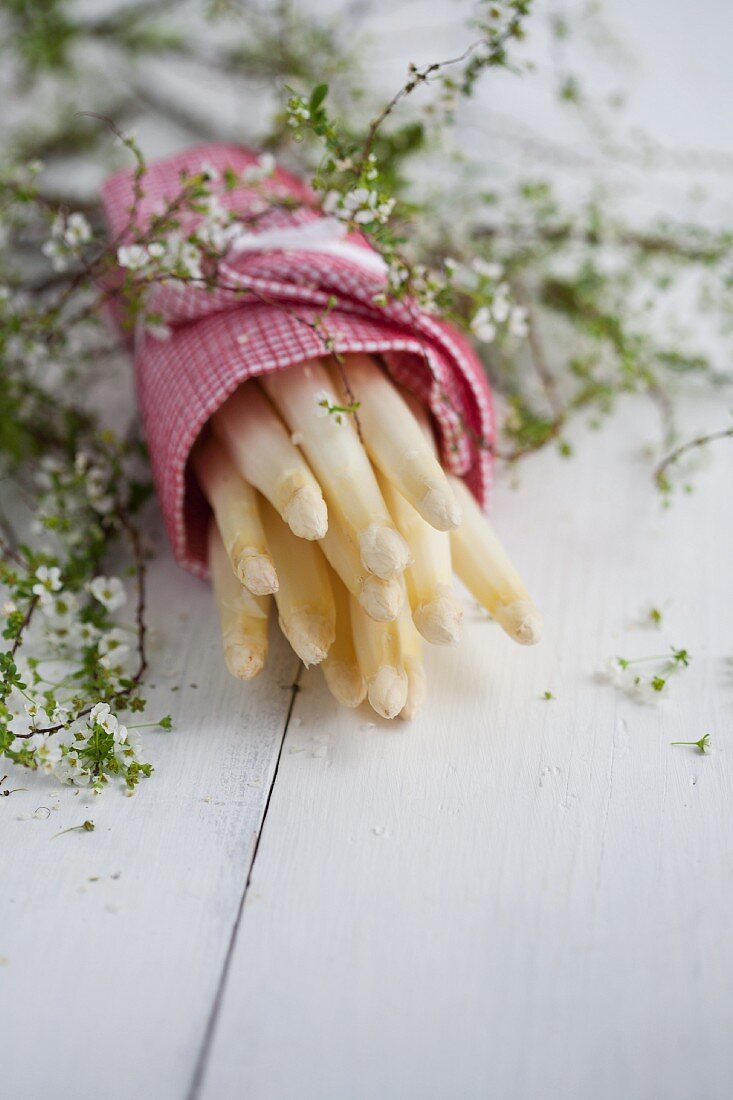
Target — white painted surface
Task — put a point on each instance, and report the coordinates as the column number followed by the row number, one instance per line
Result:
column 511, row 898
column 111, row 951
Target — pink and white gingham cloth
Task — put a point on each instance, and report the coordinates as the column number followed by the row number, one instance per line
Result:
column 255, row 324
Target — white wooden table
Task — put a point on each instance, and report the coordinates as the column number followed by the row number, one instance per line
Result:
column 510, row 898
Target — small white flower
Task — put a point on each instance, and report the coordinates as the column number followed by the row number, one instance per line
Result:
column 482, row 326
column 158, row 330
column 209, row 170
column 518, row 322
column 267, row 164
column 109, row 591
column 114, row 645
column 9, row 608
column 134, row 741
column 77, row 231
column 132, row 256
column 56, row 253
column 615, row 672
column 491, row 271
column 38, row 716
column 61, row 607
column 156, row 250
column 397, row 274
column 500, row 306
column 84, row 634
column 49, row 753
column 358, row 198
column 49, row 578
column 101, row 715
column 331, row 202
column 189, row 261
column 99, row 712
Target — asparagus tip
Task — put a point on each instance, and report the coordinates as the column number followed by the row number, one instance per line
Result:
column 521, row 620
column 383, row 550
column 257, row 573
column 345, row 682
column 387, row 691
column 440, row 508
column 382, row 600
column 440, row 620
column 311, row 636
column 245, row 661
column 306, row 514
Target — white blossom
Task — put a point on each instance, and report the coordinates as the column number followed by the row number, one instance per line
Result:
column 209, row 170
column 60, row 609
column 134, row 741
column 482, row 326
column 518, row 322
column 49, row 753
column 488, row 270
column 158, row 330
column 49, row 580
column 500, row 307
column 255, row 173
column 56, row 253
column 113, row 648
column 362, row 206
column 109, row 591
column 101, row 715
column 133, row 256
column 330, row 202
column 77, row 230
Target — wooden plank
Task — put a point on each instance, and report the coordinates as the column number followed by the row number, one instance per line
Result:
column 112, row 944
column 513, row 897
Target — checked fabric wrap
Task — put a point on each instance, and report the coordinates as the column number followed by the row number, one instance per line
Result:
column 274, row 288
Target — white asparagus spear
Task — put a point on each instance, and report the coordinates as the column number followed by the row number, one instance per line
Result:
column 242, row 615
column 335, row 452
column 261, row 449
column 340, row 666
column 483, row 565
column 437, row 613
column 234, row 504
column 378, row 650
column 396, row 443
column 304, row 599
column 381, row 599
column 417, row 685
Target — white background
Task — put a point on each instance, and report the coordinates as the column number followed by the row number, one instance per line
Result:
column 508, row 898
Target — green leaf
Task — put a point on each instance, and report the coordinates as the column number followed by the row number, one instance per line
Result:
column 318, row 95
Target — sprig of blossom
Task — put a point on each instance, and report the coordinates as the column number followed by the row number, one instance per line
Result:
column 702, row 746
column 326, row 406
column 646, row 685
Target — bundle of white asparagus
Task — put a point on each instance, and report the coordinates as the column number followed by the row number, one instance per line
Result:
column 327, row 495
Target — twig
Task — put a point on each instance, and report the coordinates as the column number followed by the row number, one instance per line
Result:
column 660, row 473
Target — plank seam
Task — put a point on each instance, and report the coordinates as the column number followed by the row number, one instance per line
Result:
column 205, row 1050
